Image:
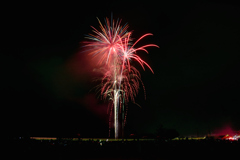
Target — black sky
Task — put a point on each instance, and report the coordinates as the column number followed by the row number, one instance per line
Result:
column 194, row 89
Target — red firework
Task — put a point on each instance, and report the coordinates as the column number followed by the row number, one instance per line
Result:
column 104, row 44
column 113, row 47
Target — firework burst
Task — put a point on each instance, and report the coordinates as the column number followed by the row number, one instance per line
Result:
column 112, row 46
column 104, row 43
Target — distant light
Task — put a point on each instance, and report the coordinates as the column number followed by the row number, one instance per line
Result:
column 231, row 138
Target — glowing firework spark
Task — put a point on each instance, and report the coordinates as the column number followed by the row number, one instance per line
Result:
column 130, row 81
column 120, row 91
column 112, row 46
column 104, row 44
column 129, row 52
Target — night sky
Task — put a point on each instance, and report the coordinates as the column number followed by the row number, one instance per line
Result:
column 47, row 80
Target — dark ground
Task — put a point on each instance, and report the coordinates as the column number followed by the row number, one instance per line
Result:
column 159, row 149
